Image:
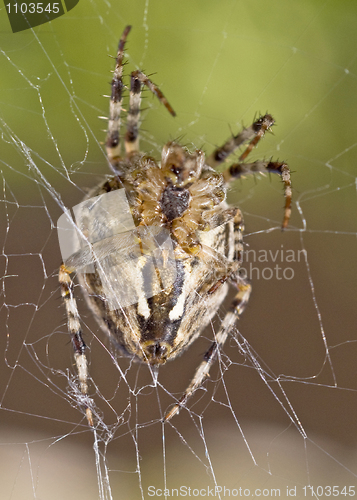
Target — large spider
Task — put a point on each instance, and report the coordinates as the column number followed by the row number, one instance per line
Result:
column 184, row 197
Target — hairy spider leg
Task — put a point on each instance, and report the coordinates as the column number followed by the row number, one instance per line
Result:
column 116, row 100
column 202, row 372
column 74, row 328
column 138, row 78
column 253, row 134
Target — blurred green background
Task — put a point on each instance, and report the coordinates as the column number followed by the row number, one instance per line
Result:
column 219, row 63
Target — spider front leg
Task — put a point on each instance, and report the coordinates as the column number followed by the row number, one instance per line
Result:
column 74, row 328
column 116, row 100
column 138, row 78
column 237, row 308
column 253, row 134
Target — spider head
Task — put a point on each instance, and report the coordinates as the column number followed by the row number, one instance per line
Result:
column 180, row 167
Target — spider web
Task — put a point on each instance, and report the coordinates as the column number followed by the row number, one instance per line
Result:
column 279, row 411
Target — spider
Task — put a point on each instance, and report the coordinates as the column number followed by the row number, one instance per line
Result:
column 183, row 196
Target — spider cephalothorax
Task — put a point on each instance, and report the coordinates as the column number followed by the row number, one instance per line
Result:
column 180, row 192
column 181, row 252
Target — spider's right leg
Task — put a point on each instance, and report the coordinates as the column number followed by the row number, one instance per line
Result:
column 202, row 372
column 74, row 328
column 253, row 134
column 276, row 167
column 116, row 100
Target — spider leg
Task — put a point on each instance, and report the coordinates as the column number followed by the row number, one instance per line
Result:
column 132, row 124
column 202, row 372
column 253, row 134
column 221, row 269
column 220, row 217
column 116, row 100
column 224, row 266
column 74, row 328
column 138, row 78
column 225, row 216
column 241, row 169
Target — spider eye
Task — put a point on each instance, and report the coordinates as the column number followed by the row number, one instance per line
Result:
column 175, row 169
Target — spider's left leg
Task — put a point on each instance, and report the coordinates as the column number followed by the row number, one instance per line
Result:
column 74, row 328
column 237, row 307
column 116, row 99
column 132, row 134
